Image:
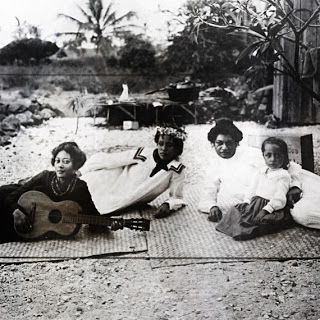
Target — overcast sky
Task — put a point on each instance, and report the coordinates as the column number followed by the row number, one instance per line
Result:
column 43, row 13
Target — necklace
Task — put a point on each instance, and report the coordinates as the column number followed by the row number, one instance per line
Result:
column 56, row 187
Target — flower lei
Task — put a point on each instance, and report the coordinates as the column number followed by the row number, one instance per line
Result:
column 174, row 133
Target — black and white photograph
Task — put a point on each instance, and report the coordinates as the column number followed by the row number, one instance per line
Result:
column 160, row 159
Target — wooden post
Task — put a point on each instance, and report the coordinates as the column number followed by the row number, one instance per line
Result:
column 290, row 103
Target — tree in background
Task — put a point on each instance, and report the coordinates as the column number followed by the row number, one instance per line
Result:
column 278, row 23
column 99, row 24
column 208, row 53
column 137, row 53
column 25, row 30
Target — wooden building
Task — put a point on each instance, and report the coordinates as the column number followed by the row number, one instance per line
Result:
column 291, row 104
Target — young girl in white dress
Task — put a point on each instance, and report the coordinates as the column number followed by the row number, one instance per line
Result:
column 265, row 209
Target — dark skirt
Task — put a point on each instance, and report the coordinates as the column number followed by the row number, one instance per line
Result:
column 243, row 221
column 7, row 231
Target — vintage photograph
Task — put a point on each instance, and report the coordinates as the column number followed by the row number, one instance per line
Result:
column 160, row 159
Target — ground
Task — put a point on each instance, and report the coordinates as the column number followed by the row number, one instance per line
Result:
column 129, row 288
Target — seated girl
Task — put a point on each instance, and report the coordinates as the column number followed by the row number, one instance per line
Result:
column 265, row 209
column 123, row 179
column 59, row 185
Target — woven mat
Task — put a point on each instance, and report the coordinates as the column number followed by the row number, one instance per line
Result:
column 188, row 237
column 85, row 244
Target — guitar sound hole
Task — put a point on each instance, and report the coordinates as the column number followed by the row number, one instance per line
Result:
column 55, row 216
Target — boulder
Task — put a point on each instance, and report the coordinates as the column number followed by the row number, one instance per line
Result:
column 25, row 118
column 47, row 113
column 34, row 106
column 10, row 125
column 4, row 140
column 17, row 108
column 37, row 119
column 4, row 108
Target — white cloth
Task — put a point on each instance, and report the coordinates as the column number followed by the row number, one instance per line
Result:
column 118, row 180
column 307, row 210
column 227, row 179
column 272, row 185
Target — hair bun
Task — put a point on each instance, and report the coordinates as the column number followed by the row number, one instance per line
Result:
column 224, row 126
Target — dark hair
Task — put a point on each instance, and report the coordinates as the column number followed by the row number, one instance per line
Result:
column 78, row 157
column 178, row 143
column 224, row 126
column 283, row 148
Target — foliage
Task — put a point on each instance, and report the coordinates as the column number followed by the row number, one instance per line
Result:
column 26, row 30
column 268, row 30
column 206, row 52
column 137, row 53
column 26, row 51
column 99, row 25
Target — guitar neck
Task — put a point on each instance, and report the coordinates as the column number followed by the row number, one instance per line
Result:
column 87, row 219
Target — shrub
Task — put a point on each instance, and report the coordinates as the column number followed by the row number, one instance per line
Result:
column 26, row 51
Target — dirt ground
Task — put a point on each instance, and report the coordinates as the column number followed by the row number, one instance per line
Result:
column 129, row 288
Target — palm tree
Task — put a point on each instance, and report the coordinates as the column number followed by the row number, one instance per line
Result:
column 101, row 22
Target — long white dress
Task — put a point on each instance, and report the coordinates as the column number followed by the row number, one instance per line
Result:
column 119, row 180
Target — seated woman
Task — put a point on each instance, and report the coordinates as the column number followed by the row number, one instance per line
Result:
column 231, row 171
column 61, row 184
column 265, row 209
column 119, row 180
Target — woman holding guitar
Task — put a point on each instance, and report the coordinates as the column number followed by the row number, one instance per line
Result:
column 59, row 185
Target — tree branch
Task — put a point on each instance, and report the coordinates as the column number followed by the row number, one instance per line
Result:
column 283, row 13
column 305, row 26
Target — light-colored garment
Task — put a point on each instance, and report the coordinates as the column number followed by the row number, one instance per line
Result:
column 307, row 210
column 272, row 185
column 228, row 181
column 119, row 180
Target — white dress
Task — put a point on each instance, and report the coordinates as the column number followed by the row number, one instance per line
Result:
column 119, row 180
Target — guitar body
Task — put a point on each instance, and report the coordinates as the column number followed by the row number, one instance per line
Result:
column 47, row 216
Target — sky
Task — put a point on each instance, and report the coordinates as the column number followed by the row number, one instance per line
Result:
column 43, row 13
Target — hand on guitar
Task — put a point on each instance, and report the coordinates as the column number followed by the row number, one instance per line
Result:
column 21, row 221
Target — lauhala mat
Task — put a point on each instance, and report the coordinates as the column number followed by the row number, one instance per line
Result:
column 187, row 237
column 84, row 244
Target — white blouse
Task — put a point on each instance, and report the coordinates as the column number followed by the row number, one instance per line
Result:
column 121, row 179
column 272, row 185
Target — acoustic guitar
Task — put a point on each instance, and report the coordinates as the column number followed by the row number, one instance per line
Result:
column 63, row 219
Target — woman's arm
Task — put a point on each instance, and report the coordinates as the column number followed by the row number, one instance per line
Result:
column 210, row 192
column 295, row 172
column 175, row 200
column 85, row 200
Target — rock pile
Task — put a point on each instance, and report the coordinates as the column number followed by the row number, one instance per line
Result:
column 13, row 116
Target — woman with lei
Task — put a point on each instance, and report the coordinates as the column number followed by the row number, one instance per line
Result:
column 136, row 177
